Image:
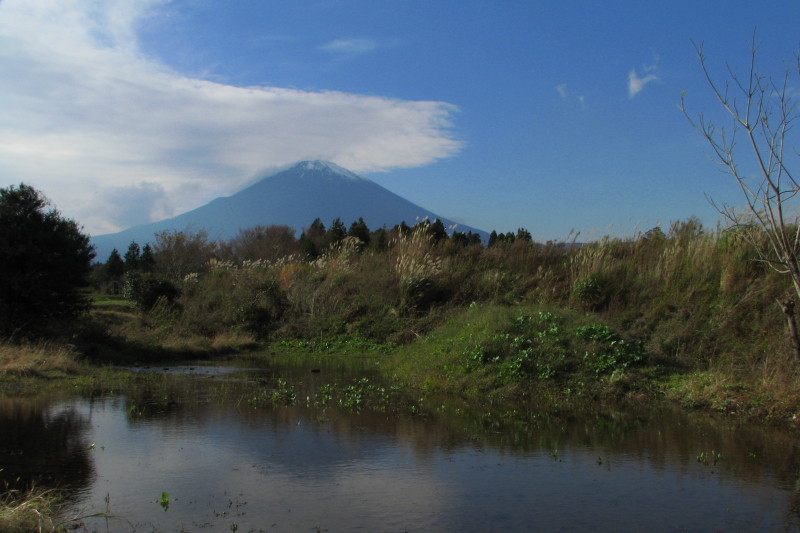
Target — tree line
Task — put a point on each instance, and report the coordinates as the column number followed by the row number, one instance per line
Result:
column 175, row 254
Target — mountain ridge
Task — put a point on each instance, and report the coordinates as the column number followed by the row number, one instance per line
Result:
column 295, row 197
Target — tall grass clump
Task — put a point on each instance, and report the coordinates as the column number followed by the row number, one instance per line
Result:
column 33, row 511
column 417, row 268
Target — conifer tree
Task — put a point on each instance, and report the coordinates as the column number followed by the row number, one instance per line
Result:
column 147, row 261
column 438, row 231
column 402, row 228
column 379, row 240
column 132, row 257
column 115, row 267
column 336, row 232
column 523, row 234
column 360, row 231
column 45, row 260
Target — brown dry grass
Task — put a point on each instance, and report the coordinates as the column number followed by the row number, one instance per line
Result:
column 38, row 359
column 34, row 511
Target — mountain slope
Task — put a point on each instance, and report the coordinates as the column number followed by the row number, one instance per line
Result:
column 294, row 197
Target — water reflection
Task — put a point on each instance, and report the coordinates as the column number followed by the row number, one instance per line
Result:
column 44, row 444
column 433, row 465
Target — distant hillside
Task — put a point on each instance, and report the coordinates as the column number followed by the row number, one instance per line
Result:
column 294, row 197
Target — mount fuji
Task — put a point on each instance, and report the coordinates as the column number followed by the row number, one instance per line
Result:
column 293, row 197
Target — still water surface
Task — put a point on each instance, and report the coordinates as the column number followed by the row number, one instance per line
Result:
column 233, row 459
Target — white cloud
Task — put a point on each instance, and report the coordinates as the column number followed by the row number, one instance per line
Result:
column 636, row 84
column 85, row 114
column 350, row 46
column 562, row 90
column 135, row 204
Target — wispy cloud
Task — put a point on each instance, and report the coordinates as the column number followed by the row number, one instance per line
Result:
column 562, row 90
column 88, row 118
column 636, row 84
column 350, row 46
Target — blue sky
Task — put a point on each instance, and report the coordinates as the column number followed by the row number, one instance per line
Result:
column 551, row 116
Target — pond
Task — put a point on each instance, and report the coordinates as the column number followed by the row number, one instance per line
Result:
column 268, row 445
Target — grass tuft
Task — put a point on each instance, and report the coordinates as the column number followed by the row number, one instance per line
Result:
column 34, row 511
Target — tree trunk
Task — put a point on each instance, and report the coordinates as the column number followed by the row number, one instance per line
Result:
column 787, row 307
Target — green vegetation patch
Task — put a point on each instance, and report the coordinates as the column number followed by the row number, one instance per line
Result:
column 493, row 347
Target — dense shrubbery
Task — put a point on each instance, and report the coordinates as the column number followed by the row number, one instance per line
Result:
column 145, row 290
column 688, row 298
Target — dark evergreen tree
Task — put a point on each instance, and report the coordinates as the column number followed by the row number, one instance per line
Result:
column 402, row 228
column 147, row 261
column 132, row 257
column 307, row 247
column 312, row 240
column 493, row 238
column 114, row 267
column 360, row 231
column 459, row 238
column 380, row 242
column 473, row 238
column 317, row 227
column 336, row 232
column 44, row 260
column 438, row 231
column 523, row 234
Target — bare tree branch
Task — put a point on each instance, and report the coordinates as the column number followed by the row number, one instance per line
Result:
column 763, row 110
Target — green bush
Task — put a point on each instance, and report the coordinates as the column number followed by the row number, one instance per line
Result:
column 593, row 291
column 612, row 351
column 532, row 348
column 144, row 290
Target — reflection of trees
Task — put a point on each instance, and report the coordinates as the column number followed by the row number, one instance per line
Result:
column 317, row 439
column 45, row 446
column 664, row 439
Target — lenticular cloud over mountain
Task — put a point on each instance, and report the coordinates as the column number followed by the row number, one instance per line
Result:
column 86, row 112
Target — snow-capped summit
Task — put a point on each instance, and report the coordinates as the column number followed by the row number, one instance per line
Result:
column 294, row 196
column 327, row 168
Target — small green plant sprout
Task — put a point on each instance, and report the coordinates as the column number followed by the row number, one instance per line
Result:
column 599, row 460
column 554, row 454
column 713, row 457
column 164, row 501
column 283, row 393
column 612, row 351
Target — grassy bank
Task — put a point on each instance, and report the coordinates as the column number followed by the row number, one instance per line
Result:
column 564, row 356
